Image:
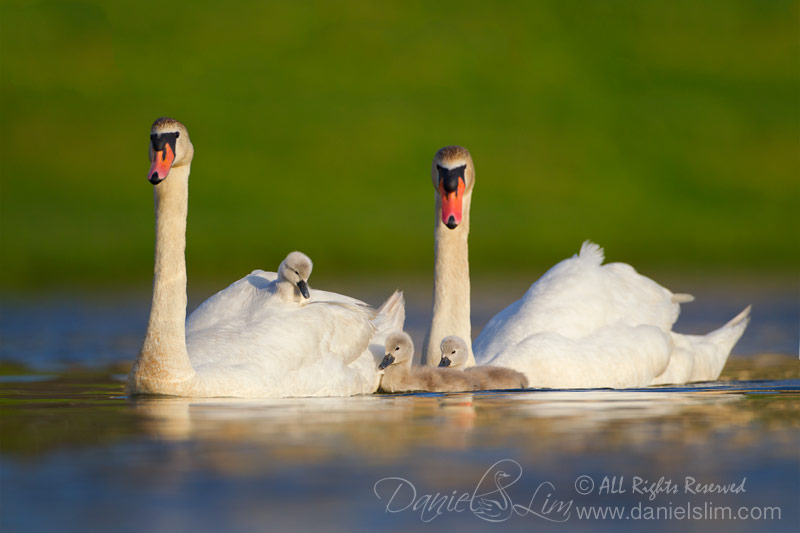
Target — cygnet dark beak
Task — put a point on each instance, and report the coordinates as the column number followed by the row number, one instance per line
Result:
column 303, row 287
column 444, row 362
column 387, row 361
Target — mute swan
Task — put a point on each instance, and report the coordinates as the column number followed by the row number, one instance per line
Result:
column 454, row 355
column 400, row 376
column 254, row 338
column 582, row 324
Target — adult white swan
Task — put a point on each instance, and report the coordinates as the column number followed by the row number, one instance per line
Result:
column 582, row 325
column 246, row 340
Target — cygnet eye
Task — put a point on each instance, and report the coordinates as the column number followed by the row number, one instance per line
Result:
column 396, row 348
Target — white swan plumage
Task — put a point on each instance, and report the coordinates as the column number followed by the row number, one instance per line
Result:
column 250, row 339
column 583, row 324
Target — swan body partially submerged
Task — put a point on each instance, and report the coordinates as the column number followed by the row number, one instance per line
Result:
column 266, row 335
column 583, row 324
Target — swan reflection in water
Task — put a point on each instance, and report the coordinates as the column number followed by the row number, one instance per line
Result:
column 207, row 463
column 536, row 427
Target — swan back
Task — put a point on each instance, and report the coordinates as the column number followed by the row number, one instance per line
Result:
column 576, row 298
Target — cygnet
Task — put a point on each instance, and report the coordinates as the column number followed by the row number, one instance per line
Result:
column 454, row 355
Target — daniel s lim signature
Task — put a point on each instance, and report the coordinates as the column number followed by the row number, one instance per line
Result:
column 490, row 501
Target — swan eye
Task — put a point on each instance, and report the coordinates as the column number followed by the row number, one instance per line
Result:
column 177, row 134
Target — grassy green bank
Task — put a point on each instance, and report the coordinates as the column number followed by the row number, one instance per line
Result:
column 667, row 131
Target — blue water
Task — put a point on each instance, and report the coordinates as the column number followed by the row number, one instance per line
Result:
column 58, row 332
column 77, row 455
column 82, row 458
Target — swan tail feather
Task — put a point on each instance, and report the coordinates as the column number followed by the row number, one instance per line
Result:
column 391, row 315
column 726, row 337
column 682, row 298
column 733, row 330
column 711, row 351
column 592, row 252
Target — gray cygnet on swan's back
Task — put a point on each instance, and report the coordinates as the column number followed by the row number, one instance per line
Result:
column 400, row 376
column 454, row 355
column 293, row 274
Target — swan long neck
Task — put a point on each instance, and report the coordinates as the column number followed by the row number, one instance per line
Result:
column 163, row 364
column 451, row 289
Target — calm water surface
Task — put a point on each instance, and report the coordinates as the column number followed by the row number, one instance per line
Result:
column 75, row 454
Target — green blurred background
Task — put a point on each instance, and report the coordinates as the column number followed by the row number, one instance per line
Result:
column 667, row 131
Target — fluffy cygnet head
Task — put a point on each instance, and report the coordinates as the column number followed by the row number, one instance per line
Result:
column 169, row 147
column 296, row 269
column 453, row 176
column 399, row 350
column 454, row 352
